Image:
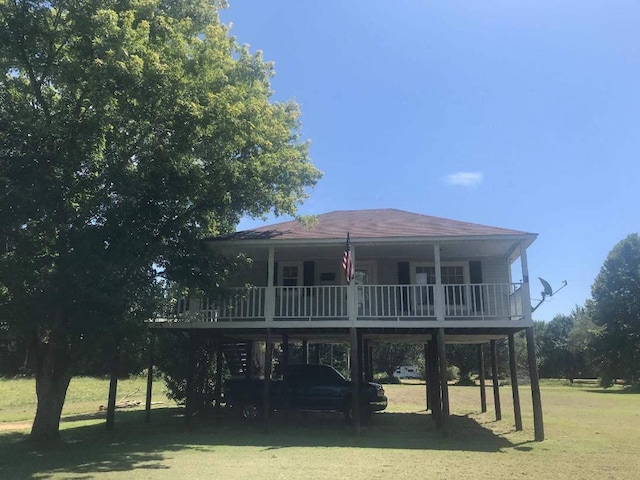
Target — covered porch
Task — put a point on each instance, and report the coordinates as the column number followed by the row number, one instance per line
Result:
column 455, row 283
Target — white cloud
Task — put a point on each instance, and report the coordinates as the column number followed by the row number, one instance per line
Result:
column 464, row 179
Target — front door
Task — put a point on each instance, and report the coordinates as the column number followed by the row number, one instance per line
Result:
column 364, row 279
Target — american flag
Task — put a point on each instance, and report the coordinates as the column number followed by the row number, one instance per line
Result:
column 347, row 262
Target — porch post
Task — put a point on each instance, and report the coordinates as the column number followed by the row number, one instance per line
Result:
column 189, row 394
column 266, row 399
column 218, row 386
column 442, row 360
column 369, row 353
column 439, row 293
column 248, row 372
column 355, row 378
column 113, row 388
column 361, row 363
column 147, row 405
column 538, row 423
column 270, row 298
column 305, row 352
column 427, row 372
column 483, row 379
column 352, row 295
column 514, row 382
column 285, row 368
column 435, row 395
column 494, row 377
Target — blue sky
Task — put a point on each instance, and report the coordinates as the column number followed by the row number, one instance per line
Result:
column 523, row 115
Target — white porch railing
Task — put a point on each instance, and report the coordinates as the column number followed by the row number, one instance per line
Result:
column 319, row 303
column 495, row 300
column 396, row 301
column 242, row 303
column 415, row 302
column 483, row 300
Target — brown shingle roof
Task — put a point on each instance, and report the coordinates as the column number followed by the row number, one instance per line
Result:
column 379, row 223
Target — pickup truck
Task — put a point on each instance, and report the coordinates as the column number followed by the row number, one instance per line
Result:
column 305, row 387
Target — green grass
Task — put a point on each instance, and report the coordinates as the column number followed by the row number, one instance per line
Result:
column 591, row 434
column 85, row 395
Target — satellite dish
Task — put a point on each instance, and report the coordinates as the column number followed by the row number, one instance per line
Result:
column 548, row 291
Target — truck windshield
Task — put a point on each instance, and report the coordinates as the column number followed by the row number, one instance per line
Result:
column 328, row 376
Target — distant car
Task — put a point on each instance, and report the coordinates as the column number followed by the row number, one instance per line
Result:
column 407, row 372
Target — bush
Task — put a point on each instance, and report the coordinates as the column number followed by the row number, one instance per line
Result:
column 386, row 379
column 453, row 373
column 172, row 361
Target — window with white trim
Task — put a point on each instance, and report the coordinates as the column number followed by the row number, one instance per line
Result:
column 454, row 275
column 290, row 275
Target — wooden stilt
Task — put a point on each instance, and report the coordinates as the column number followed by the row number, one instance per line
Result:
column 368, row 376
column 266, row 398
column 248, row 372
column 113, row 389
column 370, row 361
column 360, row 358
column 191, row 367
column 317, row 355
column 514, row 383
column 285, row 369
column 434, row 382
column 355, row 378
column 483, row 379
column 427, row 391
column 442, row 360
column 218, row 386
column 305, row 352
column 538, row 423
column 494, row 376
column 147, row 405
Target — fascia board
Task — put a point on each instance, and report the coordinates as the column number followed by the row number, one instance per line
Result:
column 528, row 239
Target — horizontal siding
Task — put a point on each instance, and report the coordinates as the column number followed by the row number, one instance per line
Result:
column 494, row 270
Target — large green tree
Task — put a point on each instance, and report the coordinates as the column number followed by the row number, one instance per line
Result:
column 615, row 306
column 387, row 357
column 566, row 345
column 129, row 131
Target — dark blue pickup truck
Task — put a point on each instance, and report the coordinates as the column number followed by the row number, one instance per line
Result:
column 304, row 387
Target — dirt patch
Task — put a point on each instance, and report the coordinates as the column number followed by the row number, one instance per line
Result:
column 9, row 426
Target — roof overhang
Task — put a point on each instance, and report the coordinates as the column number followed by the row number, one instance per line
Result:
column 504, row 245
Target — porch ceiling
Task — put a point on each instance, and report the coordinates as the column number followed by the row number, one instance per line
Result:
column 459, row 249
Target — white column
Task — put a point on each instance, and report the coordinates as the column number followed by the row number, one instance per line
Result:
column 439, row 293
column 526, row 293
column 270, row 298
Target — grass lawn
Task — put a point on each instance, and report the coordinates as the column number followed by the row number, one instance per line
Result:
column 591, row 433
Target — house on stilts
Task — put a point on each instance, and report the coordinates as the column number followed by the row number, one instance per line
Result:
column 416, row 279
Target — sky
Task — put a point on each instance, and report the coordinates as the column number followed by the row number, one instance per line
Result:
column 523, row 115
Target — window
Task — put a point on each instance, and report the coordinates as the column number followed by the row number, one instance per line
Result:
column 452, row 275
column 290, row 275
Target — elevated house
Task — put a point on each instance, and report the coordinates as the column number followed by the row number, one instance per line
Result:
column 415, row 278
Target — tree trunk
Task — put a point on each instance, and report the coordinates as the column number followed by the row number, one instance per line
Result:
column 52, row 380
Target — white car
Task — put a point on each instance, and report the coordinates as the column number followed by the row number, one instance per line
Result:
column 407, row 371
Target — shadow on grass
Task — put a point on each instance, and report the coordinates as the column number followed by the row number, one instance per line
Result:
column 615, row 391
column 87, row 450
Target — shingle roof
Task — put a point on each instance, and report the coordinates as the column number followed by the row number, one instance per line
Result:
column 379, row 223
